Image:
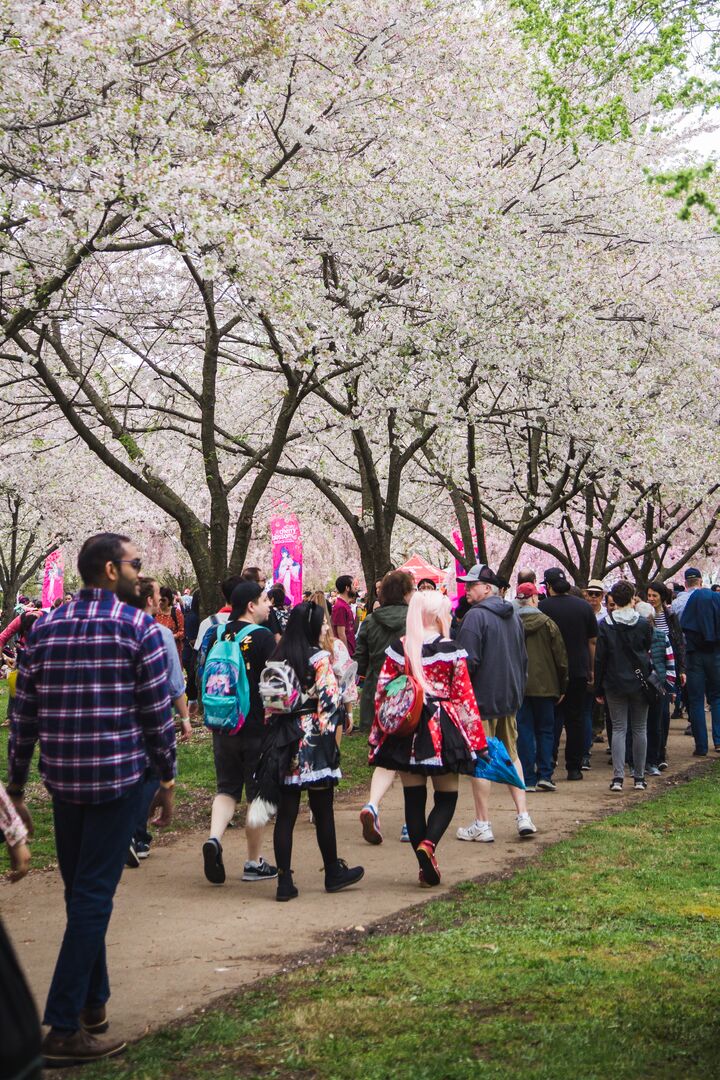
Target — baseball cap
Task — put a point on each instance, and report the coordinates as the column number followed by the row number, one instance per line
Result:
column 480, row 572
column 693, row 572
column 555, row 578
column 526, row 589
column 595, row 585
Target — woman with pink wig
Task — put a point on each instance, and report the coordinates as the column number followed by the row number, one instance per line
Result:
column 449, row 736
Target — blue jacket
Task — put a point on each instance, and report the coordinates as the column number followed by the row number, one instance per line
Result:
column 700, row 621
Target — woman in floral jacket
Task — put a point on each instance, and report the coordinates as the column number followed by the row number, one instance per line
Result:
column 449, row 736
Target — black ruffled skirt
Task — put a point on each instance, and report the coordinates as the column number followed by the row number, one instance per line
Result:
column 416, row 753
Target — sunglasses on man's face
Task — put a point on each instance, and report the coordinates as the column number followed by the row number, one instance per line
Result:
column 135, row 563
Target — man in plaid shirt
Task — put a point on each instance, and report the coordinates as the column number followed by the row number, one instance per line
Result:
column 92, row 691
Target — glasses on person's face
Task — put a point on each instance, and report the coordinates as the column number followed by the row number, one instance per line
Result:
column 595, row 595
column 135, row 563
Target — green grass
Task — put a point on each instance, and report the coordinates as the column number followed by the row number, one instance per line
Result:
column 195, row 788
column 601, row 960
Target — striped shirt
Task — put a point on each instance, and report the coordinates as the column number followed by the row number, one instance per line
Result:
column 92, row 690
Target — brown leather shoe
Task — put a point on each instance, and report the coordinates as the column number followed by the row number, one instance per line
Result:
column 60, row 1049
column 94, row 1021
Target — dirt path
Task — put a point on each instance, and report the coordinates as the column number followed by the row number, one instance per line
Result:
column 175, row 942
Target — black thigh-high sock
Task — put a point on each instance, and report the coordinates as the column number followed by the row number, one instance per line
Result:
column 441, row 814
column 415, row 802
column 321, row 804
column 285, row 824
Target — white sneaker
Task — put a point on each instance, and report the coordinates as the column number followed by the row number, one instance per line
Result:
column 525, row 826
column 479, row 830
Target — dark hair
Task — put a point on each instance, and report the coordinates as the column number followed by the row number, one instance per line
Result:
column 195, row 605
column 277, row 595
column 661, row 588
column 228, row 586
column 147, row 588
column 58, row 602
column 394, row 587
column 98, row 550
column 301, row 640
column 575, row 591
column 343, row 583
column 715, row 587
column 622, row 593
column 26, row 622
column 251, row 573
column 244, row 593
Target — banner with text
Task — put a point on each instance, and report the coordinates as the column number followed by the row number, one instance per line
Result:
column 287, row 555
column 53, row 578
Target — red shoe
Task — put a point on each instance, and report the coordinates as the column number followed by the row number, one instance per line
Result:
column 429, row 868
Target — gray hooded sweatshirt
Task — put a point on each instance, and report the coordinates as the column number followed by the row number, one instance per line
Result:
column 492, row 635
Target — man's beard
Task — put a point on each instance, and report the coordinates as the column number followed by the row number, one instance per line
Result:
column 128, row 591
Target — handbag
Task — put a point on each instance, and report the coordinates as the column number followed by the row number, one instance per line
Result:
column 651, row 684
column 400, row 706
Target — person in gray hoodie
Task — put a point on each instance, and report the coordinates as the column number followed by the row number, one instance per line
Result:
column 492, row 635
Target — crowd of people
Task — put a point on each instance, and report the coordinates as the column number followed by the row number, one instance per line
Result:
column 115, row 675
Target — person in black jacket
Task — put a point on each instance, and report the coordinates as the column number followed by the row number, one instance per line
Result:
column 623, row 645
column 660, row 597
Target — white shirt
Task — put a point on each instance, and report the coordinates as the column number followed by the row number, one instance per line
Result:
column 212, row 620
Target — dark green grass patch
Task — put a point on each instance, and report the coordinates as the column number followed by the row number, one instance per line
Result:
column 601, row 960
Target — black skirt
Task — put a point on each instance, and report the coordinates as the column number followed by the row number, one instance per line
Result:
column 416, row 753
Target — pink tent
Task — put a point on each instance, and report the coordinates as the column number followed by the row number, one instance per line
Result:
column 419, row 568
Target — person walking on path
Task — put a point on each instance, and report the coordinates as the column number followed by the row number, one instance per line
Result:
column 663, row 661
column 20, row 1057
column 546, row 684
column 492, row 636
column 304, row 752
column 343, row 619
column 449, row 735
column 236, row 756
column 148, row 600
column 666, row 621
column 170, row 614
column 693, row 581
column 579, row 627
column 700, row 622
column 385, row 624
column 92, row 690
column 624, row 641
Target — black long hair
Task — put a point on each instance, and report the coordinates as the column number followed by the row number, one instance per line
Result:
column 301, row 639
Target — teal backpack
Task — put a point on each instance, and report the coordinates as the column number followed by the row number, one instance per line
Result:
column 225, row 688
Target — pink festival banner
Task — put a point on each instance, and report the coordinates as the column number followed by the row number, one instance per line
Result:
column 53, row 578
column 287, row 555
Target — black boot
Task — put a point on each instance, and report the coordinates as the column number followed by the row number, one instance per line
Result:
column 339, row 875
column 285, row 888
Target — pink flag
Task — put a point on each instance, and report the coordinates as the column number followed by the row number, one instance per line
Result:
column 287, row 555
column 53, row 578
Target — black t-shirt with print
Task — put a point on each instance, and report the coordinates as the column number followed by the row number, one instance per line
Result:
column 578, row 625
column 256, row 648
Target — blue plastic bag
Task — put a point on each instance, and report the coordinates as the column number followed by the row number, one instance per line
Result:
column 499, row 769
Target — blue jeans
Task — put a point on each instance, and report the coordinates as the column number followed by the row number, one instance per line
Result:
column 536, row 737
column 91, row 842
column 703, row 681
column 151, row 783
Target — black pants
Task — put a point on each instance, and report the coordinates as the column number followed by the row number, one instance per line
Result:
column 321, row 804
column 569, row 715
column 19, row 1023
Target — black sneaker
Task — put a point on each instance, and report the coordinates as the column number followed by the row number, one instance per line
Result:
column 616, row 784
column 640, row 784
column 259, row 871
column 586, row 766
column 699, row 753
column 285, row 888
column 574, row 774
column 339, row 875
column 213, row 860
column 663, row 766
column 142, row 849
column 688, row 730
column 131, row 859
column 546, row 785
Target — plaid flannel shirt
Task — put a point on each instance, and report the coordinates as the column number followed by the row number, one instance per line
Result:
column 92, row 689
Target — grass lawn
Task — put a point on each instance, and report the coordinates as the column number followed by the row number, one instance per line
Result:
column 602, row 960
column 195, row 788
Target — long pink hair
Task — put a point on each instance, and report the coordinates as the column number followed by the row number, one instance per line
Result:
column 425, row 611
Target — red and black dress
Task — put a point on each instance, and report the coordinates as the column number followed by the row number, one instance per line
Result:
column 450, row 732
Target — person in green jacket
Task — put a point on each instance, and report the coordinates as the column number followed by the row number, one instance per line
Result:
column 376, row 632
column 546, row 683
